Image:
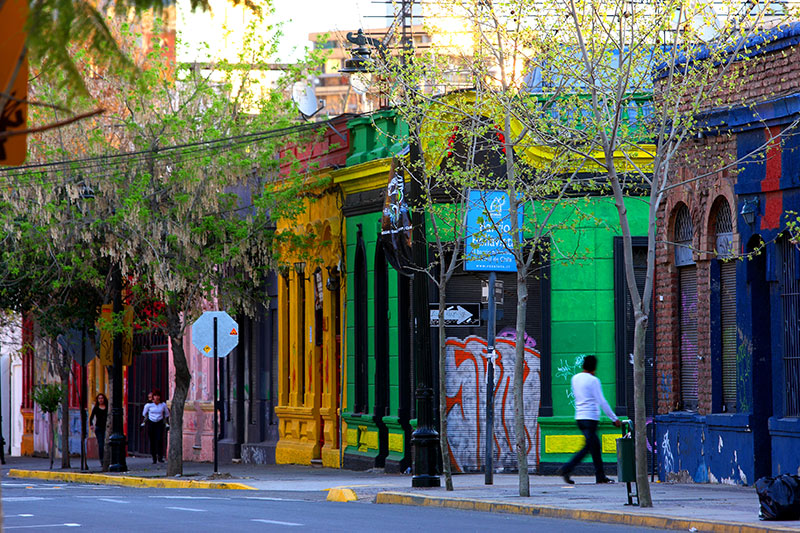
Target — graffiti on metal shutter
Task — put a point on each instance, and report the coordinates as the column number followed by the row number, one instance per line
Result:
column 466, row 403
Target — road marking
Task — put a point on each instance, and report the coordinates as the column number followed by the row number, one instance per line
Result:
column 188, row 509
column 276, row 522
column 112, row 500
column 190, row 497
column 267, row 498
column 24, row 499
column 43, row 525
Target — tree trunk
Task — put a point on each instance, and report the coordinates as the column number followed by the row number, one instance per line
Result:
column 52, row 439
column 519, row 369
column 65, row 416
column 640, row 415
column 448, row 474
column 182, row 381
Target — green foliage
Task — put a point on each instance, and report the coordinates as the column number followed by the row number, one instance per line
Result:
column 64, row 34
column 48, row 396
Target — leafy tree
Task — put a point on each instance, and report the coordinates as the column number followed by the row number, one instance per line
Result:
column 483, row 121
column 176, row 189
column 594, row 58
column 49, row 397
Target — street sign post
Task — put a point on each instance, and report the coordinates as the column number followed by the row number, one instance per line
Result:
column 215, row 334
column 488, row 249
column 456, row 315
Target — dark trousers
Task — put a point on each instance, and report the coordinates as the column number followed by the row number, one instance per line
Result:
column 589, row 430
column 101, row 441
column 156, row 434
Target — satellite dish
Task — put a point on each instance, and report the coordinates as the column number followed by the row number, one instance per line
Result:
column 305, row 98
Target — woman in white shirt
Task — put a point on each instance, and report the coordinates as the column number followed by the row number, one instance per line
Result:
column 156, row 414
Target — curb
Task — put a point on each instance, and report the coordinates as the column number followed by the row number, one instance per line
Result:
column 125, row 481
column 606, row 517
column 341, row 494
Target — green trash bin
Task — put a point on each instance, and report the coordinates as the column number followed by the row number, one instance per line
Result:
column 626, row 456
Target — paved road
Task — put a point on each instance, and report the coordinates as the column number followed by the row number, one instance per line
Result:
column 43, row 506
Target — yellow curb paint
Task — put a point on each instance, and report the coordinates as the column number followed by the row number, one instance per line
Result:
column 608, row 517
column 341, row 494
column 126, row 481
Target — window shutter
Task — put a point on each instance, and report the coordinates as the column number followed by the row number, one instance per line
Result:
column 728, row 326
column 688, row 332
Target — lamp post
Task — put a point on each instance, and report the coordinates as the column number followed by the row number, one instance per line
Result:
column 117, row 441
column 425, row 438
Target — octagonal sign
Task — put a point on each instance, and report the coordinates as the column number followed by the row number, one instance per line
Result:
column 203, row 333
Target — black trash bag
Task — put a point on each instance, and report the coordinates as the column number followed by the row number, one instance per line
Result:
column 779, row 497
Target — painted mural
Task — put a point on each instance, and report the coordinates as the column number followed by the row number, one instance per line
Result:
column 467, row 363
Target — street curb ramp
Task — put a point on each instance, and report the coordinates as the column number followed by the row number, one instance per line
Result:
column 606, row 517
column 125, row 481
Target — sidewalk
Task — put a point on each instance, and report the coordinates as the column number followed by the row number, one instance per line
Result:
column 705, row 507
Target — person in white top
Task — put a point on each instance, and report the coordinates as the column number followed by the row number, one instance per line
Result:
column 156, row 413
column 589, row 399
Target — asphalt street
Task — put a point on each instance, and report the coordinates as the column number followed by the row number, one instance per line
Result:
column 43, row 506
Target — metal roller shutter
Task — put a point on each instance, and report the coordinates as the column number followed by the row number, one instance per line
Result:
column 465, row 287
column 728, row 325
column 688, row 324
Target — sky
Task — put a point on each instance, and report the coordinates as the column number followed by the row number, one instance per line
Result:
column 302, row 17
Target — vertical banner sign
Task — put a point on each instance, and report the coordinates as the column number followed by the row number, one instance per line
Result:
column 13, row 82
column 396, row 226
column 489, row 232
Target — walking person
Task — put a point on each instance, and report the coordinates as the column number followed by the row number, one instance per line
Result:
column 144, row 417
column 589, row 399
column 156, row 414
column 98, row 420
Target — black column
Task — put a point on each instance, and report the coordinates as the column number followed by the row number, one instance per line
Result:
column 425, row 438
column 117, row 441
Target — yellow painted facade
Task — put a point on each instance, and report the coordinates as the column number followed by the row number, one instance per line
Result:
column 573, row 443
column 310, row 337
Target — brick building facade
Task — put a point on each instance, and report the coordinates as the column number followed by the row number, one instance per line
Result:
column 726, row 331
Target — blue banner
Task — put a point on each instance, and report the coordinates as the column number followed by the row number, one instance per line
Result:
column 489, row 232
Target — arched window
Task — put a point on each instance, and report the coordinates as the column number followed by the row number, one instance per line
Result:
column 381, row 333
column 723, row 228
column 361, row 400
column 687, row 306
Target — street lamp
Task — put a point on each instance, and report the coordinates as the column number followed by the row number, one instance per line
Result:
column 749, row 209
column 425, row 438
column 117, row 441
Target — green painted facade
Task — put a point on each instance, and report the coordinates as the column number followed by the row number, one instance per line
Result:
column 364, row 426
column 582, row 318
column 376, row 136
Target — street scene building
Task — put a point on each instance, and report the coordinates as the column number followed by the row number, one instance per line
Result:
column 413, row 237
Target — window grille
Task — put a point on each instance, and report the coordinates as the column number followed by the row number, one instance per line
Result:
column 684, row 231
column 790, row 306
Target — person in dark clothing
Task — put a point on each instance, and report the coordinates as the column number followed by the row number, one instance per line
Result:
column 589, row 399
column 156, row 413
column 98, row 420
